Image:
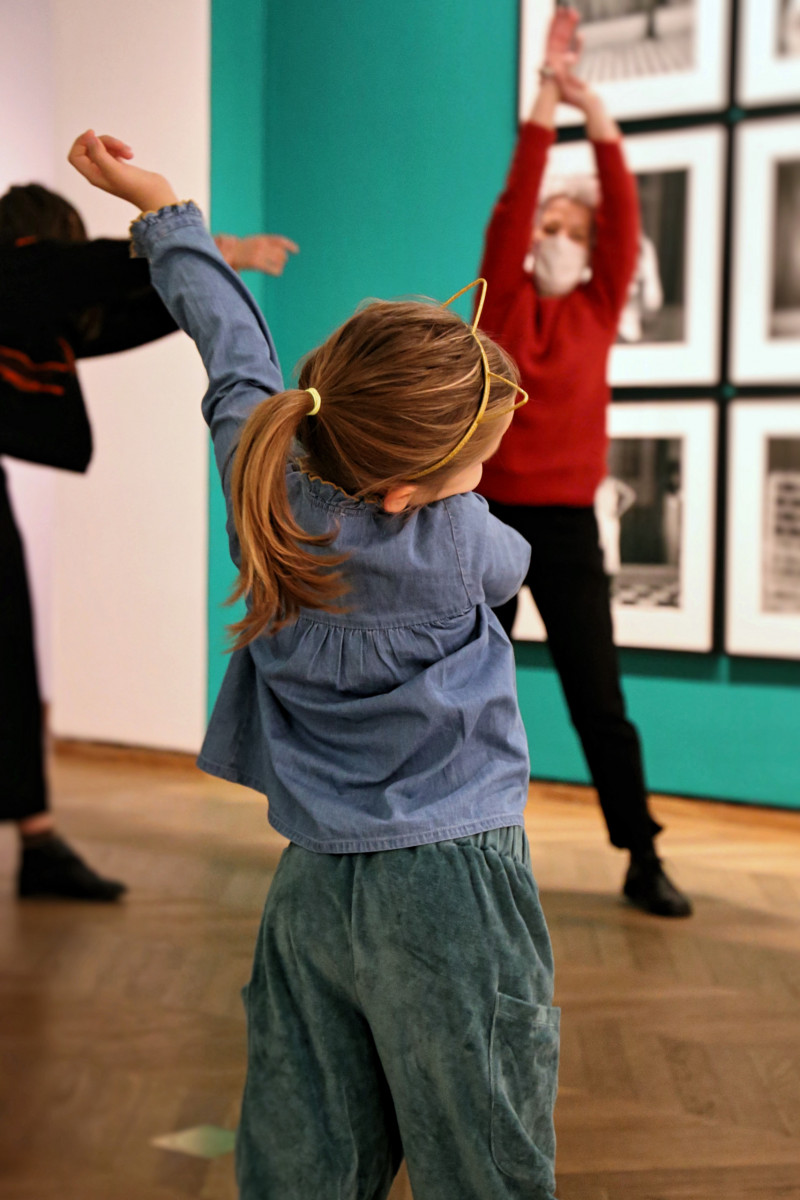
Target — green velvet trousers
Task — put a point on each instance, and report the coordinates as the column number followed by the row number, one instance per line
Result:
column 400, row 1005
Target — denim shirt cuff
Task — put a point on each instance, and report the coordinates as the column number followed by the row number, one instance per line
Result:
column 150, row 227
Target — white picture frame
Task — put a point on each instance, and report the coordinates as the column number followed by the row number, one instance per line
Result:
column 768, row 68
column 762, row 586
column 765, row 331
column 694, row 358
column 667, row 604
column 696, row 84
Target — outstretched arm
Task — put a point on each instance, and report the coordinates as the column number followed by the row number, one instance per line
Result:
column 205, row 297
column 510, row 229
column 265, row 252
column 616, row 245
column 617, row 219
column 508, row 236
column 134, row 314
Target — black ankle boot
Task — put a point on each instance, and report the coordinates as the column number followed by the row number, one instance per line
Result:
column 49, row 867
column 648, row 886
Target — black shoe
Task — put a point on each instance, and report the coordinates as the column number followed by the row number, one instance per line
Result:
column 649, row 887
column 49, row 867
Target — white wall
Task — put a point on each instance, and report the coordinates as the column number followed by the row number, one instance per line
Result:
column 129, row 662
column 27, row 119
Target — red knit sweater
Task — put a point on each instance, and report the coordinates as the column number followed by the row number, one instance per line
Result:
column 555, row 449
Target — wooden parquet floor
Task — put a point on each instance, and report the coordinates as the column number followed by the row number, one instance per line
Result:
column 680, row 1075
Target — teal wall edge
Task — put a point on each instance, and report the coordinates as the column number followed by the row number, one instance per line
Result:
column 238, row 206
column 377, row 136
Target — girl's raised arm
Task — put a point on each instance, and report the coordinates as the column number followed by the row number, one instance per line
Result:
column 205, row 297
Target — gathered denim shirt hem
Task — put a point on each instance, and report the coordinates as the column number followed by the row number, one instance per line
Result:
column 421, row 835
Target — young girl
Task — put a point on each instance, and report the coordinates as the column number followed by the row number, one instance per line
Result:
column 401, row 990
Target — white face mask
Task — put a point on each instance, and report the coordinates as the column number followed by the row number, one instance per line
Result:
column 559, row 264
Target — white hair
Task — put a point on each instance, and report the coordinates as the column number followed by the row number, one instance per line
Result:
column 582, row 189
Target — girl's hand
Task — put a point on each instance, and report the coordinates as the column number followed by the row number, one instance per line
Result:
column 102, row 160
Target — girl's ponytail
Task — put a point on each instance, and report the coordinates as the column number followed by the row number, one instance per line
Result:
column 408, row 393
column 279, row 575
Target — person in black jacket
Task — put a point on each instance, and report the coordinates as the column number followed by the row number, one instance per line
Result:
column 62, row 298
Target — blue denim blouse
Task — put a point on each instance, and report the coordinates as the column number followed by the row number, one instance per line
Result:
column 395, row 723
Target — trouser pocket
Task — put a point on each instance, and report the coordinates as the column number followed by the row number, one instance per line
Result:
column 524, row 1069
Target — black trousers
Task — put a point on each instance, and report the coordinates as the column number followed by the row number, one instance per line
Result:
column 23, row 790
column 571, row 590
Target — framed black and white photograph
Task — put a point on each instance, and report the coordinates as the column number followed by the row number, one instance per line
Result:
column 769, row 52
column 669, row 333
column 765, row 342
column 655, row 515
column 763, row 576
column 646, row 57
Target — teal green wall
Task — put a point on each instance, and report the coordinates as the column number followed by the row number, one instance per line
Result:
column 238, row 205
column 711, row 726
column 377, row 136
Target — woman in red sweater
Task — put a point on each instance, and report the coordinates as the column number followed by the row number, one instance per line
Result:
column 559, row 322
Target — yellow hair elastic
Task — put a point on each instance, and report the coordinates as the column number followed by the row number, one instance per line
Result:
column 315, row 396
column 488, row 377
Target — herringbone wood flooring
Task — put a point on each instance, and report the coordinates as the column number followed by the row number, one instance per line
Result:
column 680, row 1076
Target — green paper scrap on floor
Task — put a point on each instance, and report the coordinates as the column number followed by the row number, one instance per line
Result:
column 204, row 1141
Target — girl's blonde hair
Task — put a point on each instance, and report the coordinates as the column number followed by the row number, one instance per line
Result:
column 400, row 384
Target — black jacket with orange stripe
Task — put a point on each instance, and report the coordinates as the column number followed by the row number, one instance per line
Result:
column 60, row 301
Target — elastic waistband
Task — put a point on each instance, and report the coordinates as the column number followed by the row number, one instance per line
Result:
column 509, row 842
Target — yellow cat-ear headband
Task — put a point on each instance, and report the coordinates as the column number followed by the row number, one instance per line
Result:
column 488, row 376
